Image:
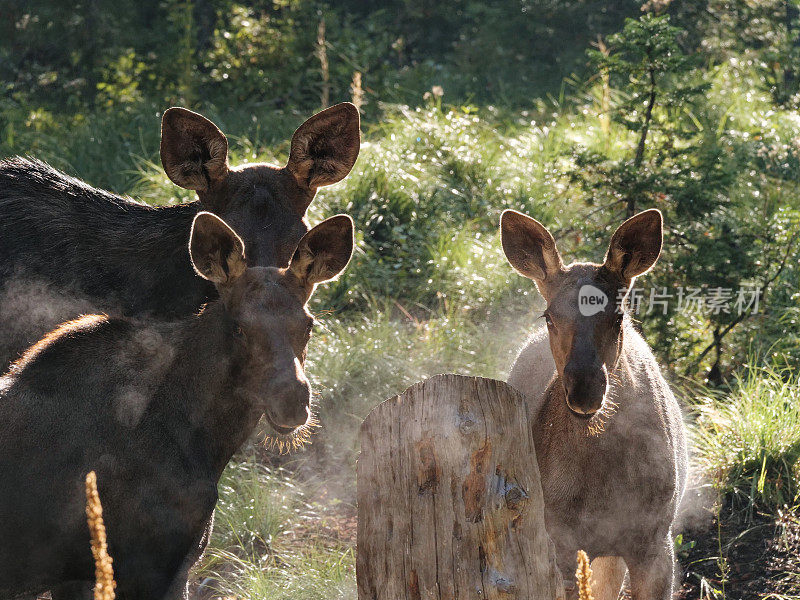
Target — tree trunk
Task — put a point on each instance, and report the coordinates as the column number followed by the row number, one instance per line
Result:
column 322, row 55
column 449, row 498
column 639, row 157
column 715, row 373
column 92, row 32
column 205, row 18
column 793, row 41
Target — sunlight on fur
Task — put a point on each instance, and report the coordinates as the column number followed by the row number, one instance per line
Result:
column 597, row 424
column 298, row 439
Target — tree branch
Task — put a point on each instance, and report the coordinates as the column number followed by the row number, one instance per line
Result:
column 648, row 115
column 741, row 317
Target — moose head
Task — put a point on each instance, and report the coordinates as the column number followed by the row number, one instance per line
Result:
column 268, row 306
column 264, row 204
column 585, row 301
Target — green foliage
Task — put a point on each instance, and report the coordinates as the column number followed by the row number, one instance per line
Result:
column 654, row 89
column 119, row 86
column 749, row 442
column 310, row 573
column 649, row 70
column 255, row 506
column 263, row 51
column 427, row 193
column 763, row 34
column 357, row 362
column 256, row 53
column 720, row 239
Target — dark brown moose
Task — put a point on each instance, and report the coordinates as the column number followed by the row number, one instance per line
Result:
column 67, row 249
column 608, row 432
column 156, row 409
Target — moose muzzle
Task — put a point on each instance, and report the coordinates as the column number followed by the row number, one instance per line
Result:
column 290, row 398
column 585, row 388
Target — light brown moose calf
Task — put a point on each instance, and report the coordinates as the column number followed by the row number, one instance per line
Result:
column 608, row 432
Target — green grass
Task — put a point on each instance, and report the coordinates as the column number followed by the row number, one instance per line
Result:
column 308, row 574
column 255, row 506
column 748, row 442
column 265, row 544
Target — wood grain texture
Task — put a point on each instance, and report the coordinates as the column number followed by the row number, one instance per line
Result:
column 449, row 499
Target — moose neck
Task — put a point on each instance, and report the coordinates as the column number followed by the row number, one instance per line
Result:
column 158, row 245
column 210, row 365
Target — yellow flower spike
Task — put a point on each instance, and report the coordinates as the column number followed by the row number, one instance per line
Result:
column 104, row 573
column 584, row 576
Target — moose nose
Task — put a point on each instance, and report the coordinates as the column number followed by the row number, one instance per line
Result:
column 289, row 397
column 585, row 389
column 290, row 404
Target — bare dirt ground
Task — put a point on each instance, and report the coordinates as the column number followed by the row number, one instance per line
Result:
column 761, row 559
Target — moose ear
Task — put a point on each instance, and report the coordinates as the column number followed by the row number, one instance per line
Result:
column 194, row 152
column 635, row 245
column 323, row 252
column 325, row 147
column 216, row 251
column 529, row 247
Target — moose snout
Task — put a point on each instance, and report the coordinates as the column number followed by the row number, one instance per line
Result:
column 290, row 398
column 585, row 388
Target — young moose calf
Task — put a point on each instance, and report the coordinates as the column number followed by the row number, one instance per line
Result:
column 157, row 411
column 608, row 432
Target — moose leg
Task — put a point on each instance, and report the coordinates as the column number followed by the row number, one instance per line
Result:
column 74, row 590
column 608, row 573
column 652, row 572
column 179, row 590
column 151, row 567
column 567, row 564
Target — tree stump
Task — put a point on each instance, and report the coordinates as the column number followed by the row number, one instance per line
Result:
column 449, row 498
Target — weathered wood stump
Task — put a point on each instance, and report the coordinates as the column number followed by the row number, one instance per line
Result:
column 449, row 499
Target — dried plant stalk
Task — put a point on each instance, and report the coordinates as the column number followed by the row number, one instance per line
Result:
column 605, row 98
column 357, row 91
column 584, row 576
column 322, row 55
column 104, row 572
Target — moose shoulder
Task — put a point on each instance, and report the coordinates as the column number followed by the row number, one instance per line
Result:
column 608, row 431
column 67, row 248
column 157, row 409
